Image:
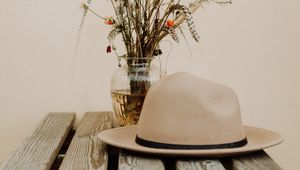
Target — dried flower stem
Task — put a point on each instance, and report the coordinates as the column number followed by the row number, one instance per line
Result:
column 192, row 8
column 181, row 18
column 87, row 8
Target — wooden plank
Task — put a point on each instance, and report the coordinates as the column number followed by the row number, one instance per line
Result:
column 254, row 161
column 206, row 164
column 130, row 161
column 40, row 149
column 86, row 151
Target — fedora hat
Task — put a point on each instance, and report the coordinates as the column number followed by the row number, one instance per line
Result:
column 189, row 116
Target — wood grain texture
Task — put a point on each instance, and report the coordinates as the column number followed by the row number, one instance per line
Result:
column 86, row 151
column 254, row 161
column 199, row 165
column 40, row 149
column 134, row 162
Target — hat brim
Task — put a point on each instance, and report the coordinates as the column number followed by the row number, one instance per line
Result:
column 124, row 137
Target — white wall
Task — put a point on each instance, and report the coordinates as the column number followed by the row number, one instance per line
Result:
column 252, row 46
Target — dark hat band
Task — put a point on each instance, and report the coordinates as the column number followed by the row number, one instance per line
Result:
column 159, row 145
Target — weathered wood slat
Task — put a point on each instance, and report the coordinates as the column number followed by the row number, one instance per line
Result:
column 86, row 151
column 40, row 149
column 254, row 161
column 129, row 161
column 213, row 164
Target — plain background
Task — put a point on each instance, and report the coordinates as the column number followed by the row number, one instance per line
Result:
column 252, row 46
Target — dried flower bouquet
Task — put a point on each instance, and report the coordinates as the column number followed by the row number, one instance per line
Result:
column 144, row 23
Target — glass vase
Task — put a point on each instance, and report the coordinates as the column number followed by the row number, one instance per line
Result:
column 129, row 86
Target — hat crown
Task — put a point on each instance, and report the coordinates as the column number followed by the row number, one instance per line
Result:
column 187, row 110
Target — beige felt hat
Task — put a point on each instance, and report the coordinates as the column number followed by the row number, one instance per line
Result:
column 188, row 116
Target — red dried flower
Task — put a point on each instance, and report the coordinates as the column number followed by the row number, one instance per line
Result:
column 108, row 49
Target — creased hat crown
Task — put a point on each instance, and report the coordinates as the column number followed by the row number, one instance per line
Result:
column 182, row 109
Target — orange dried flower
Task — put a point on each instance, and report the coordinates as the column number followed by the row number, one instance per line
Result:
column 170, row 23
column 109, row 21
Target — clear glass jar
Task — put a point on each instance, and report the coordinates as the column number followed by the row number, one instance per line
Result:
column 129, row 86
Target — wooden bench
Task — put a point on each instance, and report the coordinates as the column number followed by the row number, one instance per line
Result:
column 55, row 145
